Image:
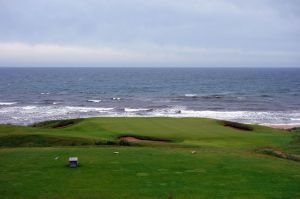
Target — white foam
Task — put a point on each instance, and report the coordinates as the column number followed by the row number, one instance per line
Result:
column 257, row 117
column 93, row 100
column 135, row 109
column 116, row 98
column 7, row 103
column 29, row 107
column 29, row 114
column 87, row 109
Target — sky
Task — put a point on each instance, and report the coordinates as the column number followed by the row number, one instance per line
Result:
column 155, row 33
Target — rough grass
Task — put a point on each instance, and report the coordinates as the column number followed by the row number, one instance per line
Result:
column 57, row 123
column 238, row 126
column 294, row 145
column 34, row 140
column 146, row 138
column 279, row 154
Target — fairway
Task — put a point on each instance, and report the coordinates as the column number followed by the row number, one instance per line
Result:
column 202, row 158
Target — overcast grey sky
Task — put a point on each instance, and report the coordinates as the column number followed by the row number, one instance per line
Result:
column 181, row 33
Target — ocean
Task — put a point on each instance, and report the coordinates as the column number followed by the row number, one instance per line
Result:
column 249, row 95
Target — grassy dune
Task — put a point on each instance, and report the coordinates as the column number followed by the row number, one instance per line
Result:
column 203, row 158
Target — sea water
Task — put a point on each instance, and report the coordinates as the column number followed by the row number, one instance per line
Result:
column 250, row 95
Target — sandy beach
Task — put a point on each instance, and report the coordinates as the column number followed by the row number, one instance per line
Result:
column 283, row 126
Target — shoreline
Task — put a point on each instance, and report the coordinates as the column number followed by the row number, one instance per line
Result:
column 282, row 126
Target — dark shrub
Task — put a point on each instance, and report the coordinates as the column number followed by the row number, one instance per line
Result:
column 111, row 142
column 99, row 142
column 56, row 123
column 295, row 130
column 124, row 143
column 238, row 126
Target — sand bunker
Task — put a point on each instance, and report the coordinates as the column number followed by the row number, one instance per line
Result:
column 143, row 139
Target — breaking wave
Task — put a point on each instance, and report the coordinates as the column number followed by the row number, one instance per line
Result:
column 190, row 95
column 94, row 100
column 136, row 109
column 7, row 103
column 31, row 113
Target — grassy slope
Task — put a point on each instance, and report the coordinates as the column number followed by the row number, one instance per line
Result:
column 225, row 165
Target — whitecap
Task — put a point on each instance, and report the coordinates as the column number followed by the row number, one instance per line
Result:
column 7, row 103
column 29, row 107
column 190, row 95
column 135, row 109
column 95, row 101
column 87, row 109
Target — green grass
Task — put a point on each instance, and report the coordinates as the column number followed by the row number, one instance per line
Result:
column 205, row 159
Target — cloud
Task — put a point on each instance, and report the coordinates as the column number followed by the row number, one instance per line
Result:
column 166, row 32
column 18, row 54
